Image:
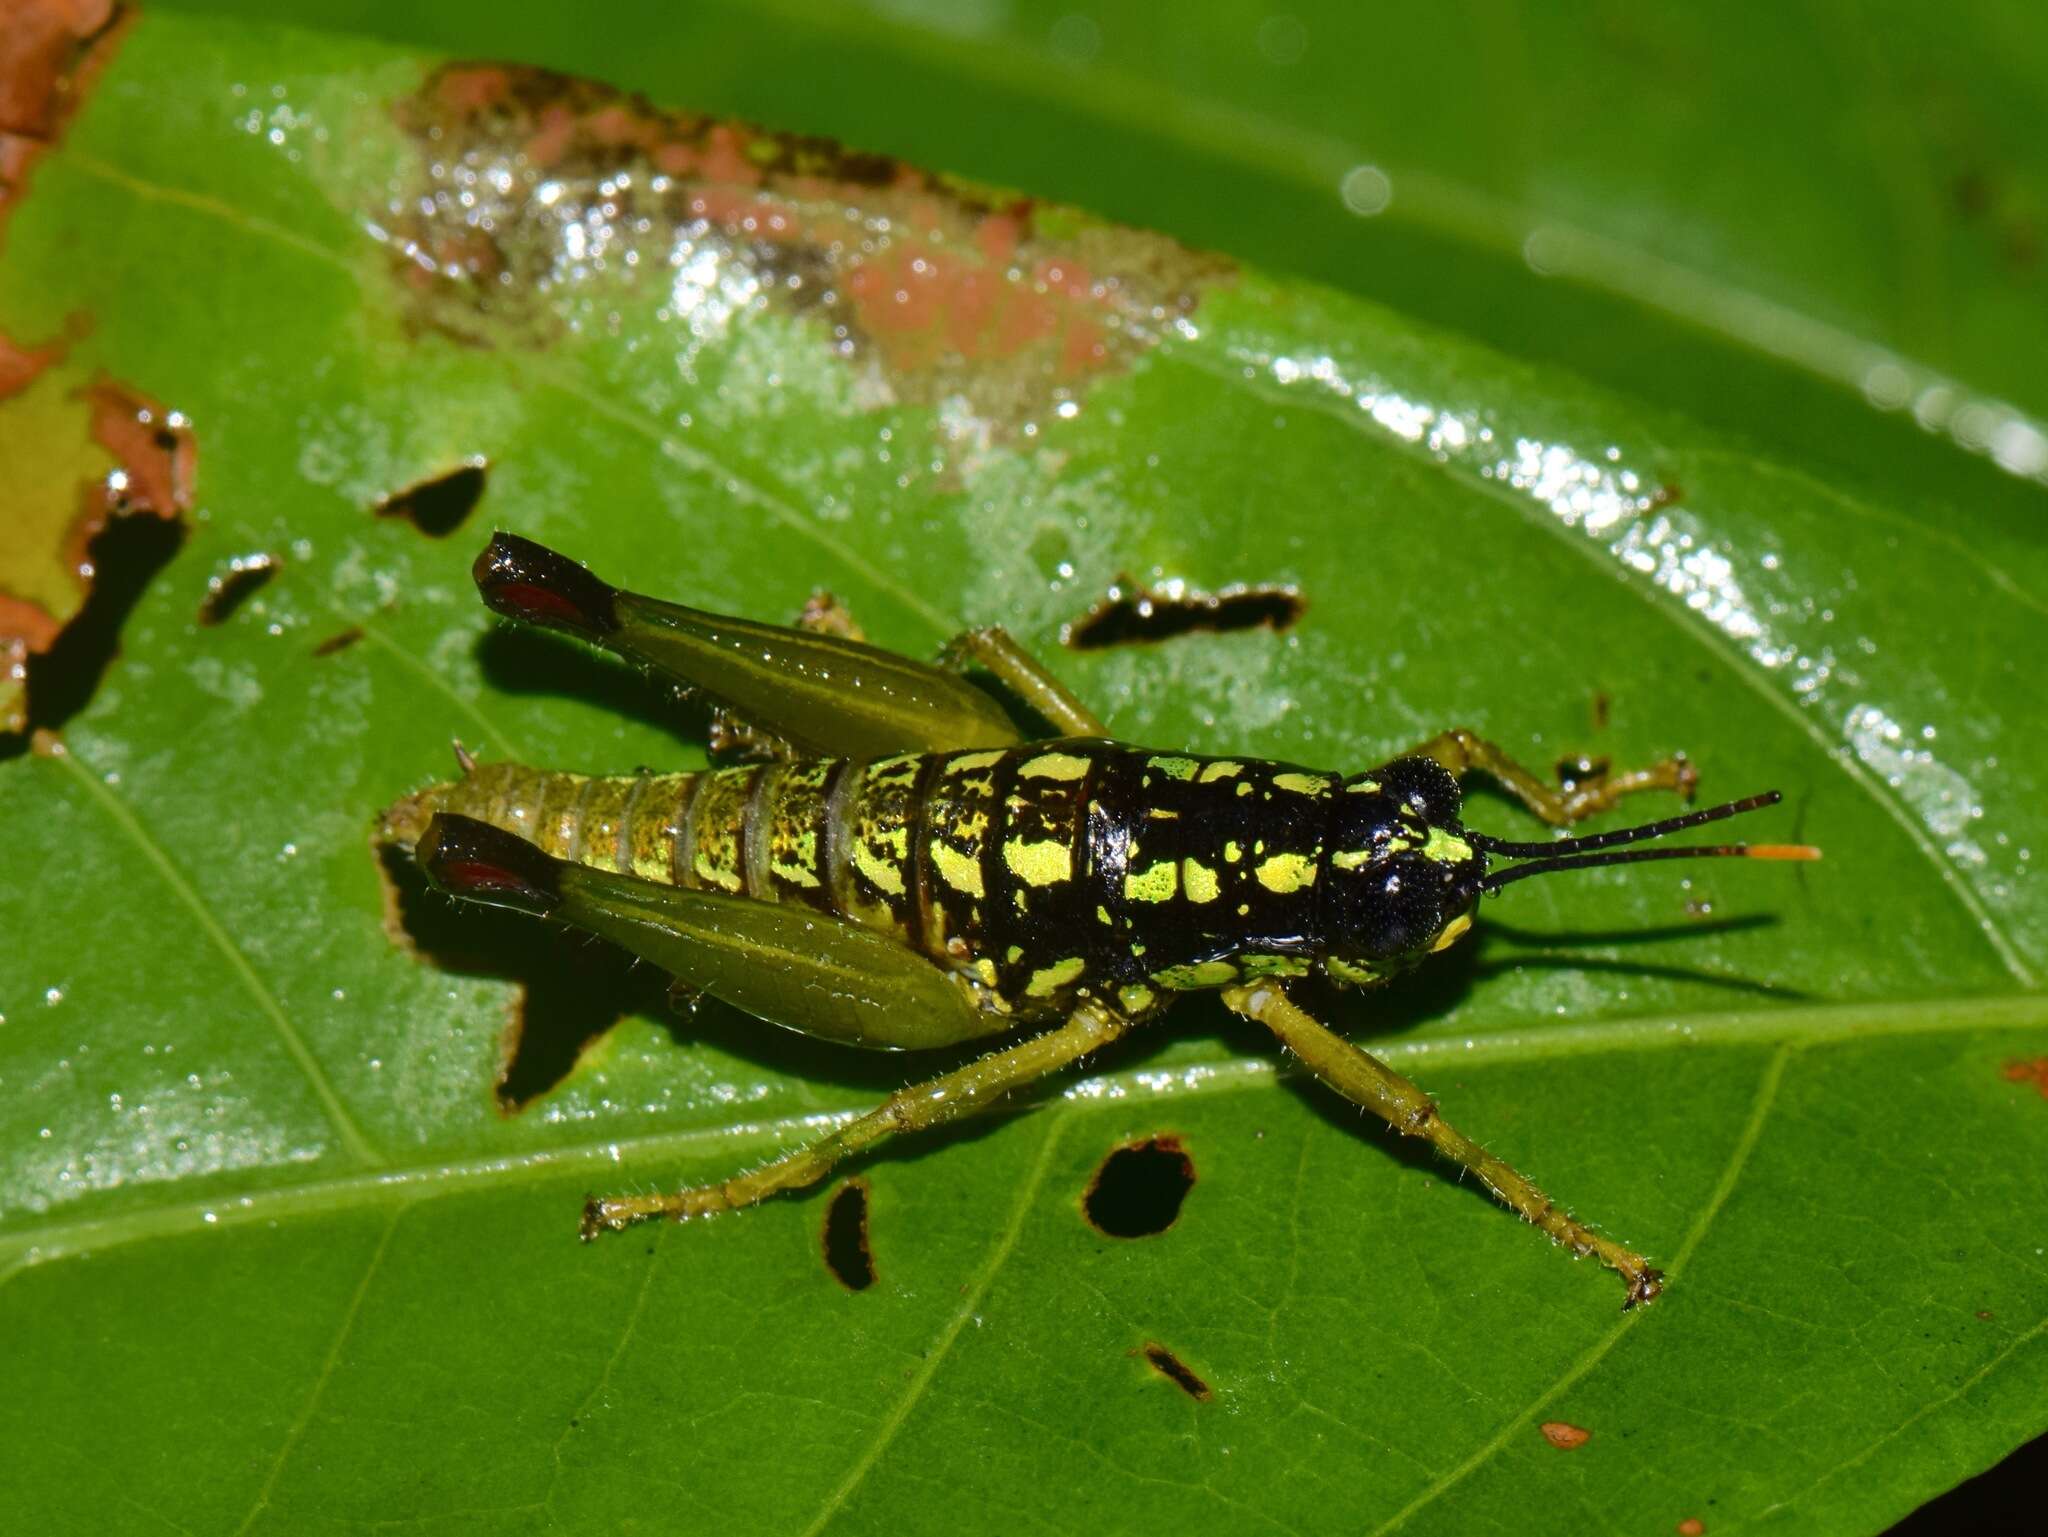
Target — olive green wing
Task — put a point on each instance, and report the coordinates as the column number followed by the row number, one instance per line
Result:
column 823, row 695
column 790, row 965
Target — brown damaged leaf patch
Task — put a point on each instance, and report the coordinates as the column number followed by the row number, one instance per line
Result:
column 79, row 454
column 536, row 189
column 50, row 50
column 2034, row 1072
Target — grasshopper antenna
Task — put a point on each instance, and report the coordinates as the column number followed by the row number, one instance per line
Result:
column 1611, row 848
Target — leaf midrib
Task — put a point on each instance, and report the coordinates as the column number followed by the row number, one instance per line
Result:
column 1808, row 1026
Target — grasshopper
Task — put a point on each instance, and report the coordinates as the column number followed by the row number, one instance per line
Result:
column 904, row 868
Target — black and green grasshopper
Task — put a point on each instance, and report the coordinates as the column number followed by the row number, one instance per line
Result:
column 906, row 869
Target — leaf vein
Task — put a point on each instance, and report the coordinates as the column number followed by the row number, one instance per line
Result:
column 1738, row 1158
column 245, row 971
column 327, row 1368
column 941, row 1347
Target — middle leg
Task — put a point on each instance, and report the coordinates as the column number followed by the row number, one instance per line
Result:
column 962, row 1092
column 1016, row 669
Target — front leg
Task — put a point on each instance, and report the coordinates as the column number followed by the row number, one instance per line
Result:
column 1461, row 751
column 966, row 1091
column 993, row 648
column 1365, row 1080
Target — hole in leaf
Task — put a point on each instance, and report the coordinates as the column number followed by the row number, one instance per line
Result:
column 1129, row 615
column 228, row 590
column 1139, row 1188
column 845, row 1237
column 437, row 507
column 124, row 556
column 137, row 462
column 1177, row 1372
column 339, row 641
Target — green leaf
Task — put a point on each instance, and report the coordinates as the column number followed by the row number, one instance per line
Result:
column 272, row 1253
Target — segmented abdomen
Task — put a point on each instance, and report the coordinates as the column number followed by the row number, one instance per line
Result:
column 1038, row 870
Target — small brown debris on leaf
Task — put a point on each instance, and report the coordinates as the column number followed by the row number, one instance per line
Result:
column 228, row 590
column 1178, row 1372
column 1692, row 1526
column 2034, row 1071
column 339, row 641
column 1566, row 1438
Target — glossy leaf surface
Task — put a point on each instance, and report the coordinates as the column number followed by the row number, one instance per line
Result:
column 275, row 1255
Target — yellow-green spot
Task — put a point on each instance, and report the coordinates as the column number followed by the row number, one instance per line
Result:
column 722, row 876
column 1203, row 974
column 1244, row 787
column 1198, row 880
column 956, row 869
column 1446, row 848
column 1045, row 863
column 1174, row 768
column 1050, row 979
column 803, row 870
column 968, row 762
column 1223, row 770
column 1155, row 883
column 880, row 873
column 1053, row 765
column 1286, row 872
column 1016, row 954
column 1357, row 974
column 1273, row 965
column 1363, row 787
column 1300, row 784
column 1351, row 859
column 1135, row 997
column 1233, row 851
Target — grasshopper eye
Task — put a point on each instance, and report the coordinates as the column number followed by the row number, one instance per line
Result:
column 1425, row 787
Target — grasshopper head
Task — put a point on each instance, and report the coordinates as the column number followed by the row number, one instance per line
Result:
column 1400, row 877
